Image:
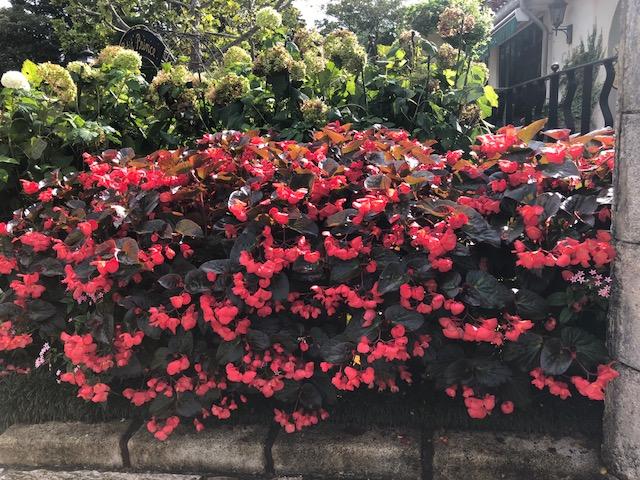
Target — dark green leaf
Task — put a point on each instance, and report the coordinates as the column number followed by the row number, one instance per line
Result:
column 564, row 170
column 336, row 350
column 341, row 218
column 229, row 352
column 343, row 271
column 411, row 319
column 39, row 310
column 391, row 278
column 196, row 282
column 170, row 281
column 160, row 405
column 530, row 305
column 484, row 290
column 258, row 339
column 127, row 252
column 189, row 228
column 217, row 266
column 305, row 226
column 590, row 350
column 188, row 405
column 557, row 299
column 280, row 287
column 525, row 351
column 310, row 396
column 555, row 359
column 450, row 283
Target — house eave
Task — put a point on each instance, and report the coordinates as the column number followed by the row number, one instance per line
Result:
column 507, row 8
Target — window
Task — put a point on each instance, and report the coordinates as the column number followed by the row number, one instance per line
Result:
column 520, row 57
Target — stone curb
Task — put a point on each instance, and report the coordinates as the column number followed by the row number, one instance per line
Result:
column 57, row 444
column 512, row 456
column 225, row 449
column 88, row 475
column 326, row 451
column 373, row 454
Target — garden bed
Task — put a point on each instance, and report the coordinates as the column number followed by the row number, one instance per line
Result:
column 420, row 407
column 322, row 452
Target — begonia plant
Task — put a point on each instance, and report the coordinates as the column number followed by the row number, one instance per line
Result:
column 195, row 280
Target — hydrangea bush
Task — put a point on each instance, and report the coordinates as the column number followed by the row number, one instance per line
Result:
column 194, row 280
column 292, row 82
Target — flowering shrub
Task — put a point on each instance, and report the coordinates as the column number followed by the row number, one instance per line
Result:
column 189, row 281
column 292, row 82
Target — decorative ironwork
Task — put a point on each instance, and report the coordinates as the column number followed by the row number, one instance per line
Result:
column 527, row 101
column 148, row 44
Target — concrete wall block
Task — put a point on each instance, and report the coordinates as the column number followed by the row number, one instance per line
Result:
column 621, row 443
column 332, row 452
column 63, row 444
column 629, row 69
column 236, row 449
column 624, row 310
column 626, row 209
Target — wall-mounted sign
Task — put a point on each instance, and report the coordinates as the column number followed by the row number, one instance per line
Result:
column 148, row 44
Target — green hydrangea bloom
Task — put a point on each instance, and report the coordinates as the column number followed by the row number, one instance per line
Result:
column 315, row 61
column 179, row 80
column 120, row 58
column 82, row 70
column 236, row 56
column 343, row 48
column 298, row 71
column 57, row 82
column 268, row 18
column 315, row 112
column 273, row 60
column 308, row 40
column 128, row 60
column 228, row 89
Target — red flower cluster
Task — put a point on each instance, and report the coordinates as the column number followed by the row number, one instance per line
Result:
column 191, row 281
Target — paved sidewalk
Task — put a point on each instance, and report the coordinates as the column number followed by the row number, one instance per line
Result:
column 10, row 474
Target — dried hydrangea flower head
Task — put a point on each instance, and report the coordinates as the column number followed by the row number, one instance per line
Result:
column 447, row 55
column 470, row 114
column 409, row 37
column 454, row 21
column 298, row 70
column 311, row 45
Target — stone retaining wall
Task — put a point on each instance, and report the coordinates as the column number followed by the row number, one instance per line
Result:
column 326, row 451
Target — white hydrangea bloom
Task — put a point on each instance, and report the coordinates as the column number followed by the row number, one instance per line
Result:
column 268, row 18
column 14, row 79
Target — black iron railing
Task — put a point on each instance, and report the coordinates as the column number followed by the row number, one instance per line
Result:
column 540, row 97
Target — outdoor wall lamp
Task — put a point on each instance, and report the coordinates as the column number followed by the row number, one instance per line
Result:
column 557, row 9
column 87, row 56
